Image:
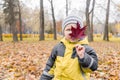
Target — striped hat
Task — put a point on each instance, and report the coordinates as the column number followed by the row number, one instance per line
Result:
column 71, row 19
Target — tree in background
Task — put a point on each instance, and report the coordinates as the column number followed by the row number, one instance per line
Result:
column 10, row 11
column 117, row 27
column 48, row 28
column 41, row 37
column 106, row 37
column 54, row 21
column 1, row 39
column 89, row 27
column 66, row 7
column 20, row 20
column 30, row 19
column 59, row 28
column 92, row 15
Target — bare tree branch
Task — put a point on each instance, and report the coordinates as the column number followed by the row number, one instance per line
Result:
column 115, row 3
column 91, row 9
column 49, row 1
column 101, row 6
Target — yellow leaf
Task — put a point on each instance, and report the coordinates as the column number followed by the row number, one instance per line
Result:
column 18, row 74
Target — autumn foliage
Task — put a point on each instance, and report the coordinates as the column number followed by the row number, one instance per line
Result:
column 77, row 33
column 26, row 61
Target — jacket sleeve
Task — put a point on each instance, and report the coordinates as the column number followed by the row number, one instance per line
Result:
column 90, row 61
column 46, row 75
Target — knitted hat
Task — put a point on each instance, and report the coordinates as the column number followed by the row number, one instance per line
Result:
column 71, row 19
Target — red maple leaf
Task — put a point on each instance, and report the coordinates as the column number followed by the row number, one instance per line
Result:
column 78, row 33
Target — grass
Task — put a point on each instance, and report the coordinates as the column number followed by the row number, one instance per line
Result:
column 112, row 39
column 35, row 39
column 29, row 39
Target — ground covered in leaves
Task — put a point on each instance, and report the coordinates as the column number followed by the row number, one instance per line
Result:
column 26, row 60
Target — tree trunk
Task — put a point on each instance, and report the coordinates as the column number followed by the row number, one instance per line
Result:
column 1, row 39
column 13, row 22
column 92, row 21
column 54, row 21
column 14, row 32
column 20, row 20
column 10, row 30
column 89, row 32
column 41, row 37
column 66, row 7
column 89, row 26
column 106, row 37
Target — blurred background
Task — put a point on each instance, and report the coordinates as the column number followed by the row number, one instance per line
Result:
column 40, row 19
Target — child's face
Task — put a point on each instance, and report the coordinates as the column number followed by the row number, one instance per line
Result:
column 67, row 32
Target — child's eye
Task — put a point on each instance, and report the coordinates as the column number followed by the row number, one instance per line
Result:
column 68, row 29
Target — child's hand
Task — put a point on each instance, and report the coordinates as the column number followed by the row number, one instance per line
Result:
column 80, row 50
